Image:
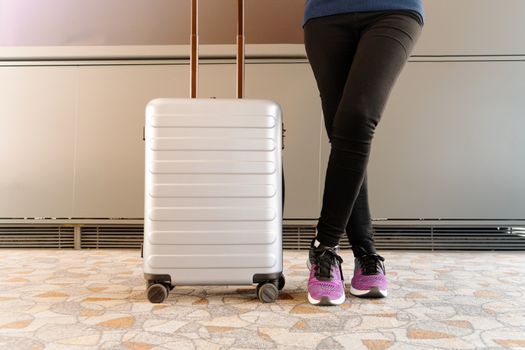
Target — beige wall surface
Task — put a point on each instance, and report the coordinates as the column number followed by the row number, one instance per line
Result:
column 452, row 27
column 144, row 22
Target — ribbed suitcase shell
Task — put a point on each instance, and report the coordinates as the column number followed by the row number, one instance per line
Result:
column 213, row 191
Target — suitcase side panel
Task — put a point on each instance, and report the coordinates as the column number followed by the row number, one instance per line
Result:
column 213, row 196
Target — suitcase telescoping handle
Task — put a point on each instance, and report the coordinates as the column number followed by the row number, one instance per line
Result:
column 194, row 58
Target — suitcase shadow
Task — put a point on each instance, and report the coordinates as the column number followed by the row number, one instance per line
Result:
column 208, row 295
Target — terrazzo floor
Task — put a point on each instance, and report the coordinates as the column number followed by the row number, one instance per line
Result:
column 64, row 299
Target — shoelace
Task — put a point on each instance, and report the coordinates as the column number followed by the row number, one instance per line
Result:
column 325, row 261
column 371, row 264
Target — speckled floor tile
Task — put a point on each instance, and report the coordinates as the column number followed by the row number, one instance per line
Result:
column 64, row 299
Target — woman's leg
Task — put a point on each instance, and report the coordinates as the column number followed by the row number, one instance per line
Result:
column 359, row 228
column 356, row 59
column 384, row 46
column 330, row 47
column 331, row 61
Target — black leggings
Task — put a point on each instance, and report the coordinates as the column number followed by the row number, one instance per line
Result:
column 356, row 59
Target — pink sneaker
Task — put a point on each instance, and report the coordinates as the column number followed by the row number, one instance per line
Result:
column 369, row 279
column 326, row 282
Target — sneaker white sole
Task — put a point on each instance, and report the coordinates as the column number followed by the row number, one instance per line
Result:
column 326, row 301
column 373, row 292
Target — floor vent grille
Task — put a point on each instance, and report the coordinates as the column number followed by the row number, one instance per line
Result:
column 52, row 236
column 112, row 236
column 299, row 237
column 296, row 237
column 451, row 237
column 433, row 237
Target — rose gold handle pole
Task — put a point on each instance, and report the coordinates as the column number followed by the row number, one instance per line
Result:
column 240, row 48
column 194, row 43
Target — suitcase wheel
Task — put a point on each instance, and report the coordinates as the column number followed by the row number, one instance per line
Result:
column 267, row 292
column 157, row 293
column 281, row 283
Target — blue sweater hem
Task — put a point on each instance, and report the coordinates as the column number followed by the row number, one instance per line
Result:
column 320, row 8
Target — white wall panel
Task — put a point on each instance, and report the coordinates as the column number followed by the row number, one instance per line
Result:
column 293, row 87
column 83, row 154
column 109, row 179
column 37, row 118
column 450, row 144
column 473, row 27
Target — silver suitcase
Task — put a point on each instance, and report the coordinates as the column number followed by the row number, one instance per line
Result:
column 213, row 190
